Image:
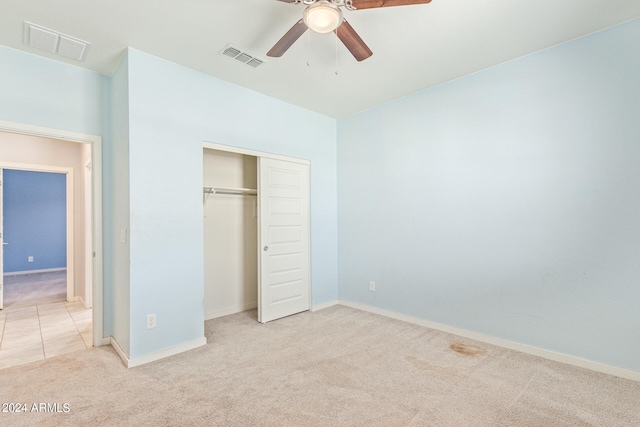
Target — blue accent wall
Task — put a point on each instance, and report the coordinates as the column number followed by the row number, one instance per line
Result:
column 34, row 208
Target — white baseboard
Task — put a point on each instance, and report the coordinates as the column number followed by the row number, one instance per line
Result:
column 230, row 310
column 45, row 270
column 119, row 350
column 80, row 299
column 325, row 305
column 147, row 358
column 535, row 351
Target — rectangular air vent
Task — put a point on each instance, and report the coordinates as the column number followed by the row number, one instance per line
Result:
column 255, row 62
column 54, row 42
column 231, row 52
column 240, row 56
column 244, row 58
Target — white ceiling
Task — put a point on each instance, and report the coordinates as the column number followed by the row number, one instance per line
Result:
column 414, row 47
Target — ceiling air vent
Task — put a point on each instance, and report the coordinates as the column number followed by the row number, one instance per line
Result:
column 54, row 42
column 240, row 56
column 231, row 52
column 255, row 62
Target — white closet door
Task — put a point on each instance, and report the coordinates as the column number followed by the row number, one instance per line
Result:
column 1, row 246
column 283, row 191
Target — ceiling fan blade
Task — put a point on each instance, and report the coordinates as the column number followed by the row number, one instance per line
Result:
column 370, row 4
column 353, row 42
column 288, row 39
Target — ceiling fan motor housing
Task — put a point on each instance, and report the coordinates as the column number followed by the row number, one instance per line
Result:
column 323, row 16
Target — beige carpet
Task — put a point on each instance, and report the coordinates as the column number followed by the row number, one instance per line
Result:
column 27, row 290
column 335, row 367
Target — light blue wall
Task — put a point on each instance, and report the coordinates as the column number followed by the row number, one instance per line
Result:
column 34, row 220
column 161, row 114
column 506, row 202
column 47, row 93
column 172, row 110
column 118, row 153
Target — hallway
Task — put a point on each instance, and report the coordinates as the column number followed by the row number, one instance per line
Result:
column 37, row 323
column 28, row 334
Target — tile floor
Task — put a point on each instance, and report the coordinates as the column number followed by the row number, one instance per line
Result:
column 28, row 334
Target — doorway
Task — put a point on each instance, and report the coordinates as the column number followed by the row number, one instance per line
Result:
column 230, row 233
column 35, row 211
column 256, row 233
column 88, row 289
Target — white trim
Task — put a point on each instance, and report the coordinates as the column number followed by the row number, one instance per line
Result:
column 96, row 160
column 1, row 239
column 35, row 167
column 535, row 351
column 44, row 270
column 231, row 310
column 248, row 152
column 88, row 229
column 325, row 305
column 44, row 132
column 96, row 291
column 71, row 249
column 80, row 299
column 119, row 350
column 69, row 212
column 148, row 358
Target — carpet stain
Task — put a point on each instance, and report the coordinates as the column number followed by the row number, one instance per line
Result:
column 466, row 349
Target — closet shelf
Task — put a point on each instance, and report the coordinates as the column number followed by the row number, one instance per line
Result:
column 229, row 190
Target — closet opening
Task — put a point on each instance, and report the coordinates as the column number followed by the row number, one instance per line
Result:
column 230, row 185
column 256, row 233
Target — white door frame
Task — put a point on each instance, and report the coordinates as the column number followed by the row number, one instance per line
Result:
column 96, row 161
column 69, row 179
column 248, row 152
column 88, row 234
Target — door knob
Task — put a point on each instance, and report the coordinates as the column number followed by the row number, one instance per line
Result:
column 266, row 248
column 5, row 243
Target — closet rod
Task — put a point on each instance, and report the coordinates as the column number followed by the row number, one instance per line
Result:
column 231, row 191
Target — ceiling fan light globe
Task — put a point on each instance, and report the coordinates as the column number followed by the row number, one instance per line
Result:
column 322, row 17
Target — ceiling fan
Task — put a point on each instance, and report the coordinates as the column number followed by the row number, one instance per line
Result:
column 324, row 16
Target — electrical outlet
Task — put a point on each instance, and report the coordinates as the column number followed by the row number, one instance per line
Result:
column 372, row 286
column 151, row 321
column 30, row 259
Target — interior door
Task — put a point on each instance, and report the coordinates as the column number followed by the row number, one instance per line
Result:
column 283, row 196
column 2, row 243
